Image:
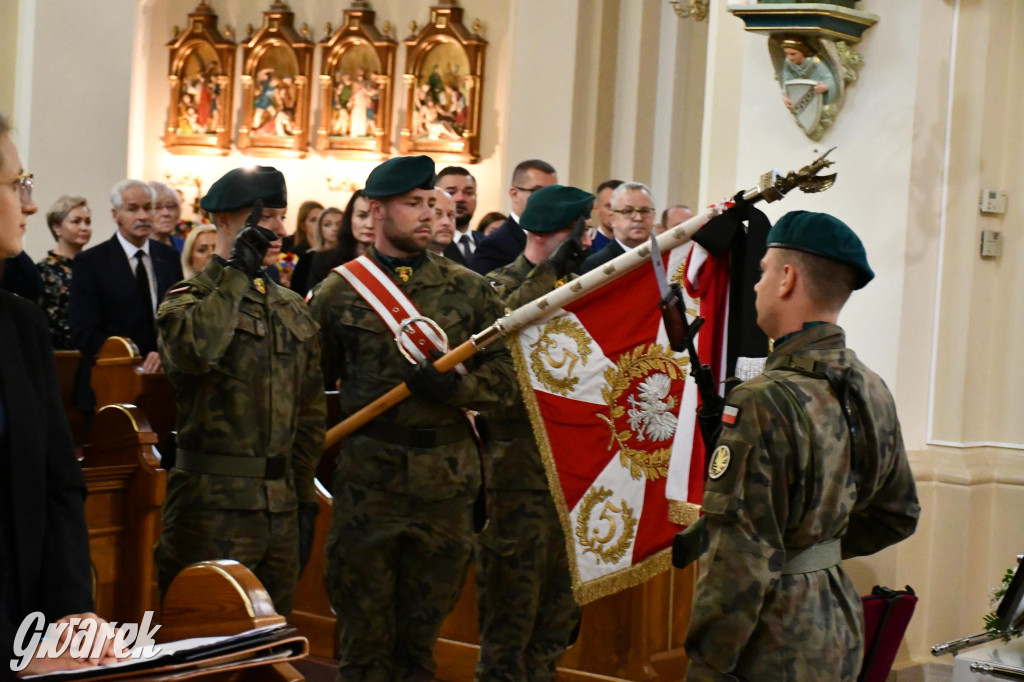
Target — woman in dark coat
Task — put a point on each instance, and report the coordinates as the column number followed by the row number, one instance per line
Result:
column 44, row 545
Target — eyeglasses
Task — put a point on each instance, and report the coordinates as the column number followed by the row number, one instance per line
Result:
column 23, row 185
column 526, row 189
column 165, row 207
column 629, row 211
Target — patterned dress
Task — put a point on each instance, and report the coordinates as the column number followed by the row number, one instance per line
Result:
column 56, row 273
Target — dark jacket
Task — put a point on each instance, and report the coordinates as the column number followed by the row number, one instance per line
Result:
column 454, row 251
column 105, row 301
column 500, row 248
column 595, row 260
column 42, row 491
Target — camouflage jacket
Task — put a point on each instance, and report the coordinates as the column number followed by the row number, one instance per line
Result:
column 245, row 368
column 782, row 479
column 513, row 459
column 360, row 354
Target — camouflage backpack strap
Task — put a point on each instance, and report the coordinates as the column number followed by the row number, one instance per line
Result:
column 414, row 333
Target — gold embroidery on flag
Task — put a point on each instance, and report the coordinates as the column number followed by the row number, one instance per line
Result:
column 679, row 277
column 682, row 512
column 596, row 536
column 585, row 591
column 541, row 357
column 647, row 415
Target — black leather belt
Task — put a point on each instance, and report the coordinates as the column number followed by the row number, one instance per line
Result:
column 416, row 437
column 268, row 468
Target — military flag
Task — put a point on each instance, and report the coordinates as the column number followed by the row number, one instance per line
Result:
column 612, row 405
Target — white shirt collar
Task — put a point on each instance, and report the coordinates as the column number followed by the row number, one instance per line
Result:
column 129, row 248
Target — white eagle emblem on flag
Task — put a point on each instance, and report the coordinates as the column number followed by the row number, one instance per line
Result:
column 651, row 416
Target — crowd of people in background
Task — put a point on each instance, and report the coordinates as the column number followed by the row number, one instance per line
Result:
column 323, row 237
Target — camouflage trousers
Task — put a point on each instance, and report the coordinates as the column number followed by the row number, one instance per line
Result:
column 395, row 569
column 264, row 542
column 524, row 589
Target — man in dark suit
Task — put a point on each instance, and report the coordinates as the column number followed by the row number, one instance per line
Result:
column 117, row 285
column 602, row 215
column 632, row 222
column 506, row 243
column 462, row 187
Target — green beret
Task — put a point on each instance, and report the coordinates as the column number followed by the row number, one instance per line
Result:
column 554, row 208
column 400, row 175
column 241, row 187
column 820, row 234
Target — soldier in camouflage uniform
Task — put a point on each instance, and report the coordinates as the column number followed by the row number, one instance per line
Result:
column 523, row 585
column 809, row 469
column 243, row 356
column 402, row 533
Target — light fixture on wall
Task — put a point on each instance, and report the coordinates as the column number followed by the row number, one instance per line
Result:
column 698, row 9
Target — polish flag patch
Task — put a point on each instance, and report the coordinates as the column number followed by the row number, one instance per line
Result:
column 730, row 414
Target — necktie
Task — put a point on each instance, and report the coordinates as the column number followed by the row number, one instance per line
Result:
column 142, row 284
column 466, row 242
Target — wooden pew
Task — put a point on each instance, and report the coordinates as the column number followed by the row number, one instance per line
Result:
column 117, row 379
column 221, row 598
column 67, row 362
column 127, row 488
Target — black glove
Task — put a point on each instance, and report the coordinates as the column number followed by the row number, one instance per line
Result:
column 251, row 244
column 690, row 543
column 571, row 253
column 427, row 383
column 307, row 526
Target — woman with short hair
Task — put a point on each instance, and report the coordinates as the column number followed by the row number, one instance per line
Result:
column 70, row 222
column 166, row 215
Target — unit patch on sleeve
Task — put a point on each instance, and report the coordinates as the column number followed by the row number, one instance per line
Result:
column 719, row 462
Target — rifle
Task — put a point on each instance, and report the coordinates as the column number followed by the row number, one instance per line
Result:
column 689, row 543
column 681, row 337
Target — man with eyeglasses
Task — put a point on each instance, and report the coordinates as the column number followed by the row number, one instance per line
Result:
column 506, row 243
column 632, row 222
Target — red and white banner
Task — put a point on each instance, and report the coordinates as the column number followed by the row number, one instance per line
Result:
column 613, row 408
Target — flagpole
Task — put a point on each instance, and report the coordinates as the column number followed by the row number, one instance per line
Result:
column 772, row 186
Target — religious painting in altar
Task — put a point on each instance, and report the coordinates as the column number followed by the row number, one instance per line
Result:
column 356, row 75
column 276, row 74
column 444, row 81
column 202, row 62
